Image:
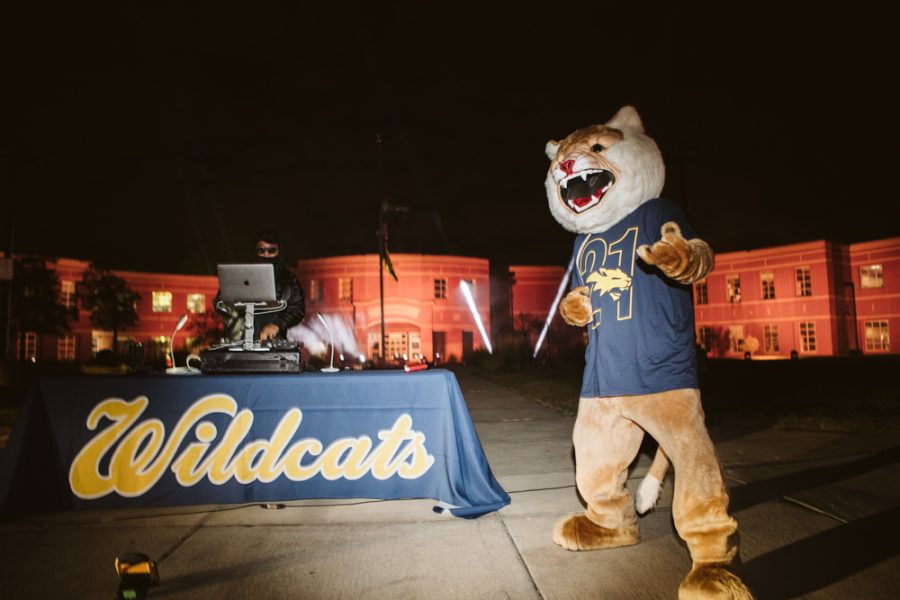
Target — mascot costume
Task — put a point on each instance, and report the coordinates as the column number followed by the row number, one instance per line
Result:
column 634, row 260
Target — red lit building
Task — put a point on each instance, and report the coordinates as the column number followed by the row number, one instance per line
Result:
column 812, row 299
column 807, row 299
column 875, row 272
column 425, row 312
column 164, row 298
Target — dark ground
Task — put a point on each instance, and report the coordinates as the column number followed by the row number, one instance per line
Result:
column 825, row 394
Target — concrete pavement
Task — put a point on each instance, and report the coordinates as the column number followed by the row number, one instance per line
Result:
column 819, row 517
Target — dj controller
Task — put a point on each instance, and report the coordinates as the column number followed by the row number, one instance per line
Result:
column 276, row 356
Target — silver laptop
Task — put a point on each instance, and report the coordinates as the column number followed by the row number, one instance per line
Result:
column 247, row 283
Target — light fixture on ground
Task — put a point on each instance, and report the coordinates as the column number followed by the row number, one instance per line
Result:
column 331, row 368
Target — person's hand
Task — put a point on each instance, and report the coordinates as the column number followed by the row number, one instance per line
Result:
column 269, row 332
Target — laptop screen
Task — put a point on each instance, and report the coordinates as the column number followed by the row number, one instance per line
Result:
column 247, row 283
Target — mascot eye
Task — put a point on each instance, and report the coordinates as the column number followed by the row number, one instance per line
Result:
column 597, row 148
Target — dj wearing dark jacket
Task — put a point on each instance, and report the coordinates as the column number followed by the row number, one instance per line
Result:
column 268, row 325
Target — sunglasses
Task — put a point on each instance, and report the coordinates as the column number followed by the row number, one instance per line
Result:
column 264, row 250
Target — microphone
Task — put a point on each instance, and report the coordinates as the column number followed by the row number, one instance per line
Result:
column 331, row 368
column 178, row 370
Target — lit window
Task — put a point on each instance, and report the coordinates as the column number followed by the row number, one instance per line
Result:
column 27, row 347
column 704, row 337
column 65, row 347
column 196, row 303
column 768, row 285
column 808, row 337
column 440, row 289
column 162, row 302
column 871, row 276
column 770, row 332
column 315, row 290
column 877, row 335
column 345, row 288
column 67, row 293
column 804, row 283
column 733, row 288
column 701, row 293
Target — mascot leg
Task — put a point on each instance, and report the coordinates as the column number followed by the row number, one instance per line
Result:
column 700, row 505
column 605, row 444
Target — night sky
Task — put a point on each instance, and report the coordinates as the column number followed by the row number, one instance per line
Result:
column 151, row 136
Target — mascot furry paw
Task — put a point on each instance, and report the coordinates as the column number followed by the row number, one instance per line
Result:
column 634, row 256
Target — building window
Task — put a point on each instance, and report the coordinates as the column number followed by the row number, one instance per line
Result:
column 440, row 289
column 871, row 276
column 27, row 346
column 877, row 335
column 345, row 289
column 770, row 332
column 315, row 290
column 65, row 347
column 162, row 302
column 808, row 337
column 804, row 283
column 768, row 285
column 196, row 303
column 67, row 293
column 704, row 337
column 733, row 288
column 701, row 292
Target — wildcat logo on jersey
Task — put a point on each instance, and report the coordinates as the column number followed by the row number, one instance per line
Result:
column 608, row 269
column 614, row 282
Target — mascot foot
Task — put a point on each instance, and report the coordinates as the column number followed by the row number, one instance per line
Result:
column 713, row 582
column 577, row 532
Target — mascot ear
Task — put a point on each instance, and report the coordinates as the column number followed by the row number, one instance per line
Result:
column 627, row 118
column 551, row 149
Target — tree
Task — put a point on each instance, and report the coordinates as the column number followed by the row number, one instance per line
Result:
column 111, row 302
column 205, row 329
column 35, row 298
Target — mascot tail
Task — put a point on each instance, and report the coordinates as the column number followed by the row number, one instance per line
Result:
column 647, row 494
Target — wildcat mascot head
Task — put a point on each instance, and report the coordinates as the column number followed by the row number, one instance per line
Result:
column 632, row 267
column 601, row 173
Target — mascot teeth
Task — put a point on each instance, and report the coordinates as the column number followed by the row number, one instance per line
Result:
column 583, row 190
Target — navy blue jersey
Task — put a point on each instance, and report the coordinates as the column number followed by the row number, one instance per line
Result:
column 641, row 338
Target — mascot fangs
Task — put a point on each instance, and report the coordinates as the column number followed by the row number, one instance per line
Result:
column 635, row 256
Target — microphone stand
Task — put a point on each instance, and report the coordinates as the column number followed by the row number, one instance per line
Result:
column 186, row 369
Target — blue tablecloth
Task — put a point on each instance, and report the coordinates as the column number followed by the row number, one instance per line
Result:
column 104, row 442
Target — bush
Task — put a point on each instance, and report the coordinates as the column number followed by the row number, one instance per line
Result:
column 512, row 352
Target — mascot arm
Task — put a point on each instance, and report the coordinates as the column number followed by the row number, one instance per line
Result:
column 576, row 308
column 685, row 261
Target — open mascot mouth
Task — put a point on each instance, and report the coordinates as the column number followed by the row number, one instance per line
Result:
column 585, row 189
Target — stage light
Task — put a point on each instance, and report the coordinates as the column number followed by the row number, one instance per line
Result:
column 562, row 286
column 467, row 294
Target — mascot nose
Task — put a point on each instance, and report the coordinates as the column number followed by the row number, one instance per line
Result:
column 566, row 167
